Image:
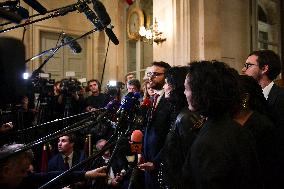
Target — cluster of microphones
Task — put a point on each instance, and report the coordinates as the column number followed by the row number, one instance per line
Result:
column 11, row 10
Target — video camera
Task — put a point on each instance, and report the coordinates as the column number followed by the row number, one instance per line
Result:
column 70, row 86
column 42, row 84
column 113, row 88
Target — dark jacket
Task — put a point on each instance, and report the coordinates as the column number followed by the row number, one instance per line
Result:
column 154, row 138
column 56, row 163
column 176, row 152
column 275, row 103
column 223, row 156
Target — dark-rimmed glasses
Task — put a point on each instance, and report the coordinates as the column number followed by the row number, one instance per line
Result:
column 154, row 74
column 248, row 65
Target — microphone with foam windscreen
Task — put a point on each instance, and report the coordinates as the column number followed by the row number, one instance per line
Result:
column 8, row 15
column 102, row 14
column 36, row 6
column 83, row 7
column 136, row 148
column 74, row 45
column 136, row 141
column 105, row 20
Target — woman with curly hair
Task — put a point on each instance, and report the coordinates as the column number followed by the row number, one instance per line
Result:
column 185, row 126
column 222, row 155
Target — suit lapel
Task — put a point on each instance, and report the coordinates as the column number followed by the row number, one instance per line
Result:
column 272, row 95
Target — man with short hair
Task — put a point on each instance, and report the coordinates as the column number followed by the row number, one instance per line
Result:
column 67, row 156
column 133, row 85
column 15, row 170
column 97, row 99
column 157, row 126
column 264, row 66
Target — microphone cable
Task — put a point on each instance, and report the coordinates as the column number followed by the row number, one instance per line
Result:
column 102, row 78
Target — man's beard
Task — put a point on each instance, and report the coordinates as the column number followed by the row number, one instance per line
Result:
column 157, row 86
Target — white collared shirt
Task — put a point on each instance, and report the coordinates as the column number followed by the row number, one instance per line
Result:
column 161, row 93
column 266, row 90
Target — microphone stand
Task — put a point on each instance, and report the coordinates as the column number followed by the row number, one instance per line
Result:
column 50, row 122
column 53, row 50
column 57, row 12
column 69, row 129
column 50, row 11
column 110, row 143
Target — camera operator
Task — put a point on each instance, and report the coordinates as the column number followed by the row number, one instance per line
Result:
column 69, row 100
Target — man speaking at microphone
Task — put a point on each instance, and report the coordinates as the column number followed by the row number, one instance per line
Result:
column 157, row 126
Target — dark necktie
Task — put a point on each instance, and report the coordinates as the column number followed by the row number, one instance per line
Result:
column 154, row 105
column 66, row 164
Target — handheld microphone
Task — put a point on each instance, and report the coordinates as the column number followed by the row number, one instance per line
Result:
column 136, row 141
column 36, row 6
column 74, row 45
column 146, row 103
column 130, row 2
column 136, row 148
column 83, row 7
column 105, row 20
column 110, row 108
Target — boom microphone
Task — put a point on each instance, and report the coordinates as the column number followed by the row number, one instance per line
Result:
column 8, row 15
column 83, row 7
column 36, row 6
column 74, row 45
column 111, row 35
column 101, row 12
column 105, row 20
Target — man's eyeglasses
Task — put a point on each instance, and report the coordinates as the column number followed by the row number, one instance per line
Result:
column 154, row 74
column 248, row 65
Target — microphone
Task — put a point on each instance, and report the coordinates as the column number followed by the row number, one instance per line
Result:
column 136, row 141
column 24, row 13
column 110, row 108
column 36, row 6
column 146, row 103
column 74, row 45
column 105, row 20
column 128, row 102
column 8, row 15
column 136, row 148
column 130, row 2
column 101, row 12
column 83, row 7
column 111, row 35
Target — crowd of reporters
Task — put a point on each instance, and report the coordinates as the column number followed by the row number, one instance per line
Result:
column 204, row 126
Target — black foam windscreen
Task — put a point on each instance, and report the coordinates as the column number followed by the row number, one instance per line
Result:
column 12, row 67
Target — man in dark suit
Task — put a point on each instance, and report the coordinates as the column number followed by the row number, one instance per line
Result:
column 15, row 170
column 265, row 66
column 157, row 126
column 67, row 156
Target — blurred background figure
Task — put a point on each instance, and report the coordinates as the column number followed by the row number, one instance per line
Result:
column 116, row 171
column 252, row 115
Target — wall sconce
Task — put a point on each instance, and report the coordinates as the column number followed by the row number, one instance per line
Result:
column 153, row 33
